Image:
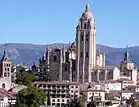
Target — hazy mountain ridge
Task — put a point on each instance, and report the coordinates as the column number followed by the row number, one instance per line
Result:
column 28, row 53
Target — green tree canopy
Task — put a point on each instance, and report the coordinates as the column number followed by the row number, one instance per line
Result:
column 25, row 78
column 30, row 97
column 134, row 104
column 81, row 99
column 92, row 103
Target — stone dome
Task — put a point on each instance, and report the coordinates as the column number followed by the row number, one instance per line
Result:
column 87, row 14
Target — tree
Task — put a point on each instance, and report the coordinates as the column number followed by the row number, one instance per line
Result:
column 48, row 98
column 30, row 97
column 108, row 103
column 73, row 103
column 81, row 99
column 92, row 103
column 134, row 104
column 25, row 78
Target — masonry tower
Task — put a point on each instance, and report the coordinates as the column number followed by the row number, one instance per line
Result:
column 86, row 46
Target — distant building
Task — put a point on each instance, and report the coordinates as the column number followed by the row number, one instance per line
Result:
column 5, row 71
column 98, row 96
column 61, row 92
column 7, row 99
column 127, row 68
column 76, row 62
column 80, row 62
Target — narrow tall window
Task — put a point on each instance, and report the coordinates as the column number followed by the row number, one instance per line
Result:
column 3, row 85
column 85, row 26
column 87, row 37
column 87, row 54
column 82, row 37
column 81, row 54
column 55, row 58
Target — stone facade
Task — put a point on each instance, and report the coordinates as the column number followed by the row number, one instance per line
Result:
column 80, row 62
column 86, row 46
column 59, row 62
column 5, row 72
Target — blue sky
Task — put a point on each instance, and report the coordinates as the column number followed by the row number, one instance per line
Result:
column 54, row 21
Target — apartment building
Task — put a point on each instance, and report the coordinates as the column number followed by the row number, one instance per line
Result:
column 61, row 92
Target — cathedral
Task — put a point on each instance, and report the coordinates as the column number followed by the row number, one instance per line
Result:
column 80, row 62
column 77, row 60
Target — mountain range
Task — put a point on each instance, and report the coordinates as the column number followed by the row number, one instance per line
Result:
column 29, row 53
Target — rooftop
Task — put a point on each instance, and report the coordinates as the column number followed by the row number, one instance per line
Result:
column 57, row 83
column 104, row 68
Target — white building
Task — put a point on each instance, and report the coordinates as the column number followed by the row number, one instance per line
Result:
column 61, row 91
column 85, row 46
column 103, row 73
column 111, row 86
column 7, row 98
column 98, row 95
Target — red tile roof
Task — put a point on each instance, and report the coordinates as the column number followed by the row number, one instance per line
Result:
column 4, row 93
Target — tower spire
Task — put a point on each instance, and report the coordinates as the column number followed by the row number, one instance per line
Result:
column 5, row 55
column 87, row 7
column 127, row 57
column 126, row 48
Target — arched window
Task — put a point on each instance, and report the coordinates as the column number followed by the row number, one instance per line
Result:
column 55, row 58
column 5, row 74
column 8, row 74
column 3, row 85
column 85, row 26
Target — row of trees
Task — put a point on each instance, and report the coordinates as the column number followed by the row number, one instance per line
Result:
column 34, row 97
column 25, row 78
column 30, row 96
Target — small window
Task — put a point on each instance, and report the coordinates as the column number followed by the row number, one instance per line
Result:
column 82, row 37
column 87, row 54
column 63, row 100
column 81, row 54
column 55, row 58
column 66, row 69
column 85, row 26
column 58, row 100
column 5, row 74
column 3, row 85
column 8, row 74
column 87, row 37
column 53, row 100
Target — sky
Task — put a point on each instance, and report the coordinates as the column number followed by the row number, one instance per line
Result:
column 55, row 21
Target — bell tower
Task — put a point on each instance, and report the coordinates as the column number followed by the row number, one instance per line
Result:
column 86, row 46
